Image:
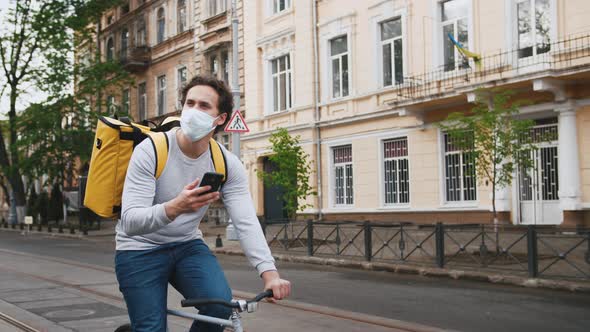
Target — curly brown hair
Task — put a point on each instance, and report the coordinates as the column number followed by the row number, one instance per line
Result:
column 225, row 100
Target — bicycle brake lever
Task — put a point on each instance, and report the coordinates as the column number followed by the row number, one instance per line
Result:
column 244, row 306
column 252, row 306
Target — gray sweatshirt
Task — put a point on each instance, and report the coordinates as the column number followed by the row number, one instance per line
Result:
column 144, row 223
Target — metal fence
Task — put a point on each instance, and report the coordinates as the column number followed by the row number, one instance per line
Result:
column 536, row 251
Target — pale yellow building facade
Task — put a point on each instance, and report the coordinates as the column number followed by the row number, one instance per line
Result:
column 364, row 83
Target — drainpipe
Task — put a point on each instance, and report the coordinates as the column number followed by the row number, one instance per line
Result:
column 317, row 107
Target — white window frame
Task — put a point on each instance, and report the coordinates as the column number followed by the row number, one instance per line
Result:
column 108, row 49
column 328, row 31
column 221, row 6
column 140, row 39
column 163, row 111
column 438, row 49
column 272, row 4
column 186, row 16
column 330, row 67
column 126, row 103
column 391, row 42
column 213, row 62
column 179, row 86
column 111, row 104
column 289, row 84
column 139, row 97
column 511, row 34
column 123, row 52
column 382, row 160
column 225, row 72
column 157, row 29
column 332, row 179
column 224, row 139
column 443, row 178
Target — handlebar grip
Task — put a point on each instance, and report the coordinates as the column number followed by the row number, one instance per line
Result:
column 263, row 295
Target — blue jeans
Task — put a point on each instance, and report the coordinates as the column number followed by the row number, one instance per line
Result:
column 190, row 267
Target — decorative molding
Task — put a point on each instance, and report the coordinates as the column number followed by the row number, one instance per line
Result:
column 337, row 19
column 551, row 85
column 410, row 210
column 275, row 36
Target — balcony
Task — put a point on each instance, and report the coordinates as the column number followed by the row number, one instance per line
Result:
column 135, row 59
column 569, row 57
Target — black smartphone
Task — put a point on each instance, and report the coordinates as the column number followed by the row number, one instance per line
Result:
column 211, row 179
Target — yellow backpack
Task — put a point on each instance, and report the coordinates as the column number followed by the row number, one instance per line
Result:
column 113, row 145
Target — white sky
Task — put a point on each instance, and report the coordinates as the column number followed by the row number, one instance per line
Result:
column 24, row 100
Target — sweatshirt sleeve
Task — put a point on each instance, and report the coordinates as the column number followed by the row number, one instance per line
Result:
column 238, row 202
column 139, row 215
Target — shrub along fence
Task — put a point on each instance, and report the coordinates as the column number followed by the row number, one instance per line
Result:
column 536, row 251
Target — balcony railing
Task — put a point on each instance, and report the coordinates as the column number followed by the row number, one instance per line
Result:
column 135, row 59
column 570, row 54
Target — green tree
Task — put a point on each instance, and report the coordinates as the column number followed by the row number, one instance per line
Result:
column 37, row 45
column 491, row 134
column 292, row 172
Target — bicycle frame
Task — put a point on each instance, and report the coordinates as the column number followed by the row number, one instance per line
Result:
column 234, row 321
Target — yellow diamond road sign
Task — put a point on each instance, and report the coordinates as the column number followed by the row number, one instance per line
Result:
column 237, row 124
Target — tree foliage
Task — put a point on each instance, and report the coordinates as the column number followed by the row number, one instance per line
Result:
column 38, row 43
column 292, row 171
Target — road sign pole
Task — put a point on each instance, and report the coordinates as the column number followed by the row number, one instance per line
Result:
column 230, row 233
column 235, row 76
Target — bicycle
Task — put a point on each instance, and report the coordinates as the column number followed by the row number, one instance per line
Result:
column 234, row 322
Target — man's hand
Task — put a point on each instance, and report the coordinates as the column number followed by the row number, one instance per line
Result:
column 280, row 288
column 190, row 199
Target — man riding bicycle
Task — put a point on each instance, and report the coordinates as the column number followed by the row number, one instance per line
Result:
column 158, row 239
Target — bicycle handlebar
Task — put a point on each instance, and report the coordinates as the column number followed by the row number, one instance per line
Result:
column 235, row 305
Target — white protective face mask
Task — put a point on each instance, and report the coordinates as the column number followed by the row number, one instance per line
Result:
column 196, row 124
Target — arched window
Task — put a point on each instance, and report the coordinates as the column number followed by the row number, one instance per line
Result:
column 110, row 49
column 181, row 16
column 161, row 25
column 140, row 35
column 124, row 43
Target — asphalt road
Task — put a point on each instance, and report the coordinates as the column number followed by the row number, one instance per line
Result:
column 458, row 305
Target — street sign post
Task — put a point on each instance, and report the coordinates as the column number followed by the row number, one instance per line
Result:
column 237, row 124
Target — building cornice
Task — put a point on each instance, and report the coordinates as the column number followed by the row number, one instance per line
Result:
column 277, row 35
column 267, row 133
column 171, row 54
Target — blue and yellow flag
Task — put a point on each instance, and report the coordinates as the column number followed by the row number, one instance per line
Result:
column 466, row 53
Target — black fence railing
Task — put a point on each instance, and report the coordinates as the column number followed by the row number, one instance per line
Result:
column 569, row 53
column 536, row 251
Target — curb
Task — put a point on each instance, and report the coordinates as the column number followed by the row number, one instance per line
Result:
column 538, row 283
column 55, row 233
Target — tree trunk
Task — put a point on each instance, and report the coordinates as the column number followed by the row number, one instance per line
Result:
column 495, row 213
column 15, row 177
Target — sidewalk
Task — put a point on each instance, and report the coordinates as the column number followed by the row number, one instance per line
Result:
column 57, row 295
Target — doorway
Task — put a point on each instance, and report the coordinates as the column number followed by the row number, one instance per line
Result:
column 274, row 206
